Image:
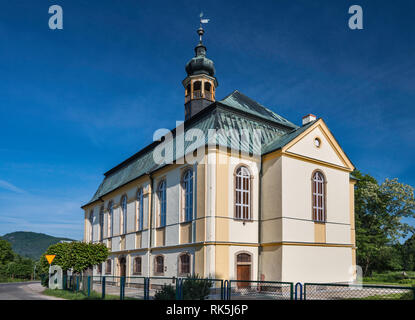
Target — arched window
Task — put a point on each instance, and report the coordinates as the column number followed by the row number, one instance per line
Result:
column 207, row 86
column 161, row 193
column 123, row 214
column 91, row 225
column 110, row 218
column 137, row 265
column 140, row 208
column 243, row 194
column 159, row 265
column 108, row 267
column 197, row 85
column 319, row 197
column 184, row 264
column 101, row 223
column 197, row 89
column 187, row 187
column 243, row 258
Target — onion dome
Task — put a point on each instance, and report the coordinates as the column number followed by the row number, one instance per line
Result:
column 200, row 64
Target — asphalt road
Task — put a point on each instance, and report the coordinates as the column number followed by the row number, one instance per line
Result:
column 23, row 291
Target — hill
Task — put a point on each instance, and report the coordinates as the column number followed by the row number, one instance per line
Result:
column 31, row 244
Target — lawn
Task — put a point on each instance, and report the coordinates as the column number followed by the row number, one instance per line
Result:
column 73, row 295
column 392, row 278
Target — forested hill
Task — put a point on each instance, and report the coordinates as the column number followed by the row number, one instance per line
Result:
column 31, row 244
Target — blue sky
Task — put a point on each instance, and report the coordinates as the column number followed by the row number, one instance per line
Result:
column 76, row 102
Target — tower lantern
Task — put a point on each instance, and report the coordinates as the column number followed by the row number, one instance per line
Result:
column 200, row 84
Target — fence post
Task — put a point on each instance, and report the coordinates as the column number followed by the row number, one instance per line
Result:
column 122, row 282
column 89, row 286
column 178, row 289
column 305, row 289
column 146, row 288
column 103, row 287
column 222, row 293
column 77, row 283
column 298, row 284
column 64, row 282
column 227, row 291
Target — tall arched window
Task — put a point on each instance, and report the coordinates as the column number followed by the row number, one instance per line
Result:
column 243, row 194
column 187, row 186
column 140, row 208
column 91, row 225
column 184, row 264
column 123, row 215
column 159, row 265
column 161, row 193
column 101, row 223
column 319, row 197
column 137, row 265
column 108, row 267
column 110, row 218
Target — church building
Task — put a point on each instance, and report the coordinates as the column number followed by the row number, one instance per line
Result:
column 255, row 197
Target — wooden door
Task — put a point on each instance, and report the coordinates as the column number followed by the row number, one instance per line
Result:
column 243, row 273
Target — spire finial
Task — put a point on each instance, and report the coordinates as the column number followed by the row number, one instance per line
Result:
column 201, row 31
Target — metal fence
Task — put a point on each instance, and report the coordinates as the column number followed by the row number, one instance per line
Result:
column 259, row 290
column 164, row 288
column 329, row 291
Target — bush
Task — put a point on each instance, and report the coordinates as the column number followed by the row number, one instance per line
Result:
column 196, row 288
column 167, row 292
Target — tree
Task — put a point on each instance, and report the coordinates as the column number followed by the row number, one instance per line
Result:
column 408, row 253
column 6, row 252
column 379, row 210
column 77, row 256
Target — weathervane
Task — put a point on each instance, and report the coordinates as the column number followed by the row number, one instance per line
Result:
column 201, row 31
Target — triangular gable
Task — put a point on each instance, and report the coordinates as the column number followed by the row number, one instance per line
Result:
column 329, row 150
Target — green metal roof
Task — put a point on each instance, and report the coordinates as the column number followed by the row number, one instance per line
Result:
column 243, row 103
column 233, row 114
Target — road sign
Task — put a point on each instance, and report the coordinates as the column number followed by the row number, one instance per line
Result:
column 50, row 257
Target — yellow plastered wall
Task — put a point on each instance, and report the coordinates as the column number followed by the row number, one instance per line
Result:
column 222, row 190
column 319, row 232
column 222, row 215
column 200, row 261
column 201, row 203
column 222, row 262
column 352, row 222
column 271, row 200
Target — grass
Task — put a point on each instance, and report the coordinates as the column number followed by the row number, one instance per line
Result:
column 391, row 296
column 392, row 278
column 7, row 280
column 73, row 295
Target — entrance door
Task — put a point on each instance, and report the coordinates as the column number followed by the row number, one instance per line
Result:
column 243, row 273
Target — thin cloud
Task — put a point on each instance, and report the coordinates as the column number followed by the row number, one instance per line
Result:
column 10, row 187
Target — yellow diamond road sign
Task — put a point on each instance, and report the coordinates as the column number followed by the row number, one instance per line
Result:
column 50, row 257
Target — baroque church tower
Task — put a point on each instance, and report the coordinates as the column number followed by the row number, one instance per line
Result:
column 200, row 83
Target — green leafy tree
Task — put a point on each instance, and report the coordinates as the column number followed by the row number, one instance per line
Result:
column 408, row 253
column 6, row 252
column 78, row 256
column 21, row 268
column 379, row 210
